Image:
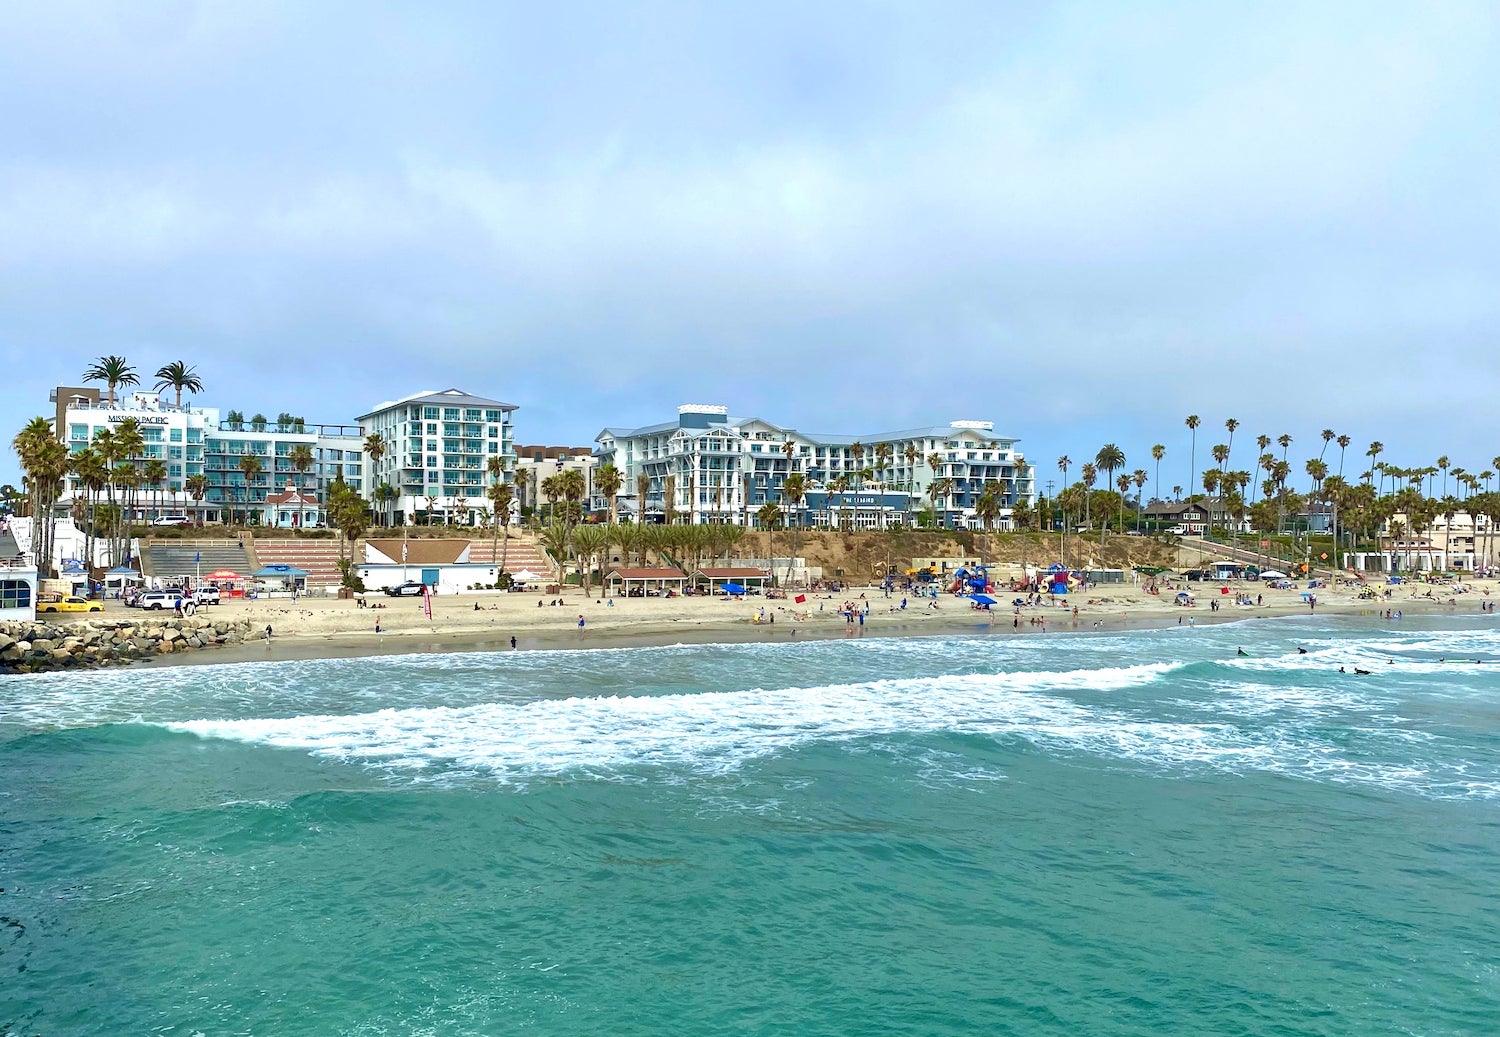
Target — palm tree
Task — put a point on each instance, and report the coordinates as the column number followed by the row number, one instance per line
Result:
column 1230, row 425
column 1157, row 453
column 89, row 467
column 154, row 474
column 251, row 466
column 1088, row 475
column 1062, row 466
column 554, row 539
column 179, row 377
column 1139, row 478
column 499, row 494
column 197, row 488
column 301, row 458
column 1109, row 458
column 1192, row 422
column 114, row 372
column 588, row 541
column 432, row 502
column 1328, row 436
column 44, row 461
column 769, row 517
column 375, row 447
column 1375, row 450
column 608, row 480
column 1343, row 442
column 793, row 490
column 643, row 487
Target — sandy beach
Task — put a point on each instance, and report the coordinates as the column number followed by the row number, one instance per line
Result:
column 318, row 627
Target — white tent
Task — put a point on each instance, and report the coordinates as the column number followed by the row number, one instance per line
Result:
column 525, row 576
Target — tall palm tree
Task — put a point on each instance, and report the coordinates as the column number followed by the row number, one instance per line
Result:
column 1192, row 422
column 375, row 447
column 643, row 487
column 301, row 458
column 608, row 480
column 1088, row 475
column 1063, row 463
column 44, row 462
column 197, row 488
column 114, row 372
column 1109, row 458
column 178, row 377
column 588, row 541
column 1328, row 436
column 1343, row 442
column 1375, row 450
column 1139, row 478
column 1230, row 426
column 432, row 503
column 1157, row 453
column 499, row 494
column 154, row 475
column 251, row 466
column 769, row 517
column 793, row 490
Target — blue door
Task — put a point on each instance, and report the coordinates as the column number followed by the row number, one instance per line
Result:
column 430, row 577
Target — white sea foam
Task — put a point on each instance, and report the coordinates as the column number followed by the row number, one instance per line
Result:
column 666, row 736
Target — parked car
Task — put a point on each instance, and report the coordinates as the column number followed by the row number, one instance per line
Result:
column 206, row 596
column 172, row 520
column 70, row 604
column 407, row 589
column 154, row 601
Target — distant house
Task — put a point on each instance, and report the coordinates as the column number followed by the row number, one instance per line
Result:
column 1191, row 516
column 716, row 577
column 293, row 508
column 648, row 581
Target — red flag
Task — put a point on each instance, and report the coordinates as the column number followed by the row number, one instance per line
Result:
column 799, row 599
column 427, row 600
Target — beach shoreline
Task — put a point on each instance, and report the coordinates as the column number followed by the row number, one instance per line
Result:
column 314, row 629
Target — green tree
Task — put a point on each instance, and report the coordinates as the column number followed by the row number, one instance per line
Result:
column 178, row 377
column 114, row 372
column 608, row 480
column 251, row 466
column 1109, row 458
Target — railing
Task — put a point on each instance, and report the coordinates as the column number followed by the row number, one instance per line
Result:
column 19, row 561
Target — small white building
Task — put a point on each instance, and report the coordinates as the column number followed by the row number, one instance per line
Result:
column 293, row 509
column 18, row 588
column 442, row 564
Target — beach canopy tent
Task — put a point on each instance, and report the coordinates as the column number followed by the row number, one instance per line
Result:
column 1272, row 574
column 525, row 576
column 125, row 573
column 983, row 599
column 288, row 576
column 225, row 575
column 732, row 588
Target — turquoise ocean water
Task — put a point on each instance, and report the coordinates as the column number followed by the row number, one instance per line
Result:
column 1117, row 833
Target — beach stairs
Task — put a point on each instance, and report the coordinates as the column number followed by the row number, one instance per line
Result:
column 9, row 546
column 522, row 553
column 319, row 557
column 165, row 559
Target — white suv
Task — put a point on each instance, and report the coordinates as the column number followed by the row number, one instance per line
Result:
column 206, row 596
column 156, row 600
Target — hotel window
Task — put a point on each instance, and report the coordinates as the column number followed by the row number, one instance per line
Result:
column 15, row 594
column 195, row 435
column 430, row 413
column 431, row 461
column 494, row 448
column 432, row 444
column 450, row 413
column 432, row 428
column 432, row 476
column 175, row 435
column 151, row 433
column 472, row 415
column 175, row 470
column 78, row 432
column 493, row 415
column 175, row 453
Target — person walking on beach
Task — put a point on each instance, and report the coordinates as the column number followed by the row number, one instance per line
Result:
column 512, row 642
column 377, row 624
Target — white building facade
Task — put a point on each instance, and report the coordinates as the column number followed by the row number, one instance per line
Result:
column 195, row 441
column 438, row 449
column 707, row 466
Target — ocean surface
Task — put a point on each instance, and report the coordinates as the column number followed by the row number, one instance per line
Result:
column 1113, row 833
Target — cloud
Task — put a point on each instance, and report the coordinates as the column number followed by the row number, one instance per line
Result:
column 845, row 217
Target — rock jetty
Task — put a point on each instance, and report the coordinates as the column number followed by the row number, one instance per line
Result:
column 38, row 647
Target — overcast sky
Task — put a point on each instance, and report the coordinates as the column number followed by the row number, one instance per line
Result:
column 1080, row 221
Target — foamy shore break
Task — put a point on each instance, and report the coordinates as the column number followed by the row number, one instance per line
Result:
column 329, row 628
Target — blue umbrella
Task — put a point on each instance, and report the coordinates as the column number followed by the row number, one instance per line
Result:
column 733, row 588
column 983, row 599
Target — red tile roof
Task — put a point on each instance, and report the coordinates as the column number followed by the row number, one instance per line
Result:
column 648, row 574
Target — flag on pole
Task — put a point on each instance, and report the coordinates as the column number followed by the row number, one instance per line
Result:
column 799, row 599
column 403, row 552
column 197, row 557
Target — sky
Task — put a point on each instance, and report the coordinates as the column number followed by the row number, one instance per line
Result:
column 1081, row 221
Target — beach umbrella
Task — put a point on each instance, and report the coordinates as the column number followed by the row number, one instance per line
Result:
column 223, row 574
column 983, row 599
column 1272, row 574
column 733, row 588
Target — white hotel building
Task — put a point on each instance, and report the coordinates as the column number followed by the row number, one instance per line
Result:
column 193, row 441
column 722, row 469
column 438, row 447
